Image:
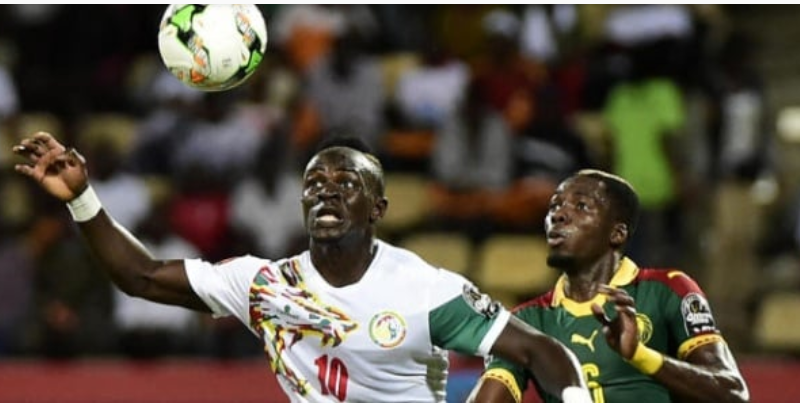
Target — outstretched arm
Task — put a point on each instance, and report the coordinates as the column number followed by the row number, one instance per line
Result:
column 709, row 373
column 62, row 173
column 554, row 366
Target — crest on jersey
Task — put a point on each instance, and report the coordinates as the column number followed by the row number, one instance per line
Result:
column 387, row 329
column 645, row 327
column 697, row 315
column 479, row 302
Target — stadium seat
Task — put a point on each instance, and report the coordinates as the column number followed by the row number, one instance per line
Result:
column 443, row 249
column 512, row 268
column 119, row 129
column 408, row 203
column 778, row 323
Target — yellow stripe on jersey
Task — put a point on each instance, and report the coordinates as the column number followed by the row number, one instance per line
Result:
column 506, row 378
column 690, row 345
column 675, row 273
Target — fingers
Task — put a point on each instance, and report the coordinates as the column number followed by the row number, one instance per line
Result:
column 75, row 157
column 37, row 145
column 30, row 149
column 600, row 315
column 26, row 170
column 616, row 295
column 44, row 157
column 48, row 141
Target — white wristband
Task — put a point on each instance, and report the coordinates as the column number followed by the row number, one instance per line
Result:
column 575, row 394
column 84, row 207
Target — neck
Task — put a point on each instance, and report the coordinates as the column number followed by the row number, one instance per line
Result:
column 342, row 264
column 582, row 283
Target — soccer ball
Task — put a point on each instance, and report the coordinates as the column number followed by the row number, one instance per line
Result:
column 212, row 47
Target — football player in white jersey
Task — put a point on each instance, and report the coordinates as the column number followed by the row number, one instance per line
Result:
column 351, row 319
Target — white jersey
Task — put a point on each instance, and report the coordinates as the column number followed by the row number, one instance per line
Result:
column 382, row 339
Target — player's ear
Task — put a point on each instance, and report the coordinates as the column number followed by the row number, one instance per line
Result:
column 619, row 234
column 378, row 209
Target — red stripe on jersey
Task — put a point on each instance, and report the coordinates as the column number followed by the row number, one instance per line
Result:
column 541, row 301
column 676, row 280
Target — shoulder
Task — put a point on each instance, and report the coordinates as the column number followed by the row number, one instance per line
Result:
column 403, row 259
column 542, row 301
column 243, row 260
column 677, row 281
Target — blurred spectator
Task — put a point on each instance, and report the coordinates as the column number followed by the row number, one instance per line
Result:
column 20, row 256
column 223, row 138
column 473, row 150
column 472, row 159
column 739, row 143
column 430, row 93
column 74, row 311
column 346, row 91
column 146, row 329
column 168, row 120
column 127, row 195
column 645, row 115
column 403, row 27
column 543, row 27
column 633, row 25
column 264, row 204
column 503, row 79
column 545, row 151
column 308, row 32
column 9, row 101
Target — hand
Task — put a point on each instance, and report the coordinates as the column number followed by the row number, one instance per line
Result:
column 59, row 170
column 621, row 333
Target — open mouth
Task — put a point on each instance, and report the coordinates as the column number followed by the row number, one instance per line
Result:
column 328, row 217
column 555, row 238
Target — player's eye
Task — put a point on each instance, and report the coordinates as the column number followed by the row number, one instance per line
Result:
column 313, row 184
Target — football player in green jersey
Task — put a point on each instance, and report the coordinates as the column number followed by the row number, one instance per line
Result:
column 641, row 335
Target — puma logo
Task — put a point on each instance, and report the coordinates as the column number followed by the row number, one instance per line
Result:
column 578, row 339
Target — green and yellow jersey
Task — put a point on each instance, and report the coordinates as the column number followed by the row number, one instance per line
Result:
column 673, row 317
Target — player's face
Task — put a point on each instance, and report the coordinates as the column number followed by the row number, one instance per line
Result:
column 578, row 223
column 337, row 200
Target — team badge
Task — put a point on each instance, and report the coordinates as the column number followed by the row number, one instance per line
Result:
column 697, row 315
column 481, row 303
column 387, row 329
column 645, row 327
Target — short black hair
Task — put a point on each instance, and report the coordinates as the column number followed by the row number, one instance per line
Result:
column 624, row 200
column 358, row 144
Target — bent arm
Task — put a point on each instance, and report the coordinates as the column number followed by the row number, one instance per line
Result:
column 131, row 267
column 62, row 173
column 550, row 362
column 709, row 374
column 490, row 390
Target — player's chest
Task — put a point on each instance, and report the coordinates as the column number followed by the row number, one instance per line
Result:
column 584, row 335
column 384, row 323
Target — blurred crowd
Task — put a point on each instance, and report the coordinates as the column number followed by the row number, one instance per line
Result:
column 491, row 105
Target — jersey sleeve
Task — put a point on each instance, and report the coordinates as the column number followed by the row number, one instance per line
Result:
column 689, row 315
column 513, row 376
column 463, row 319
column 224, row 286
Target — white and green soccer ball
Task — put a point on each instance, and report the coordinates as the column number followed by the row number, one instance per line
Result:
column 212, row 47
